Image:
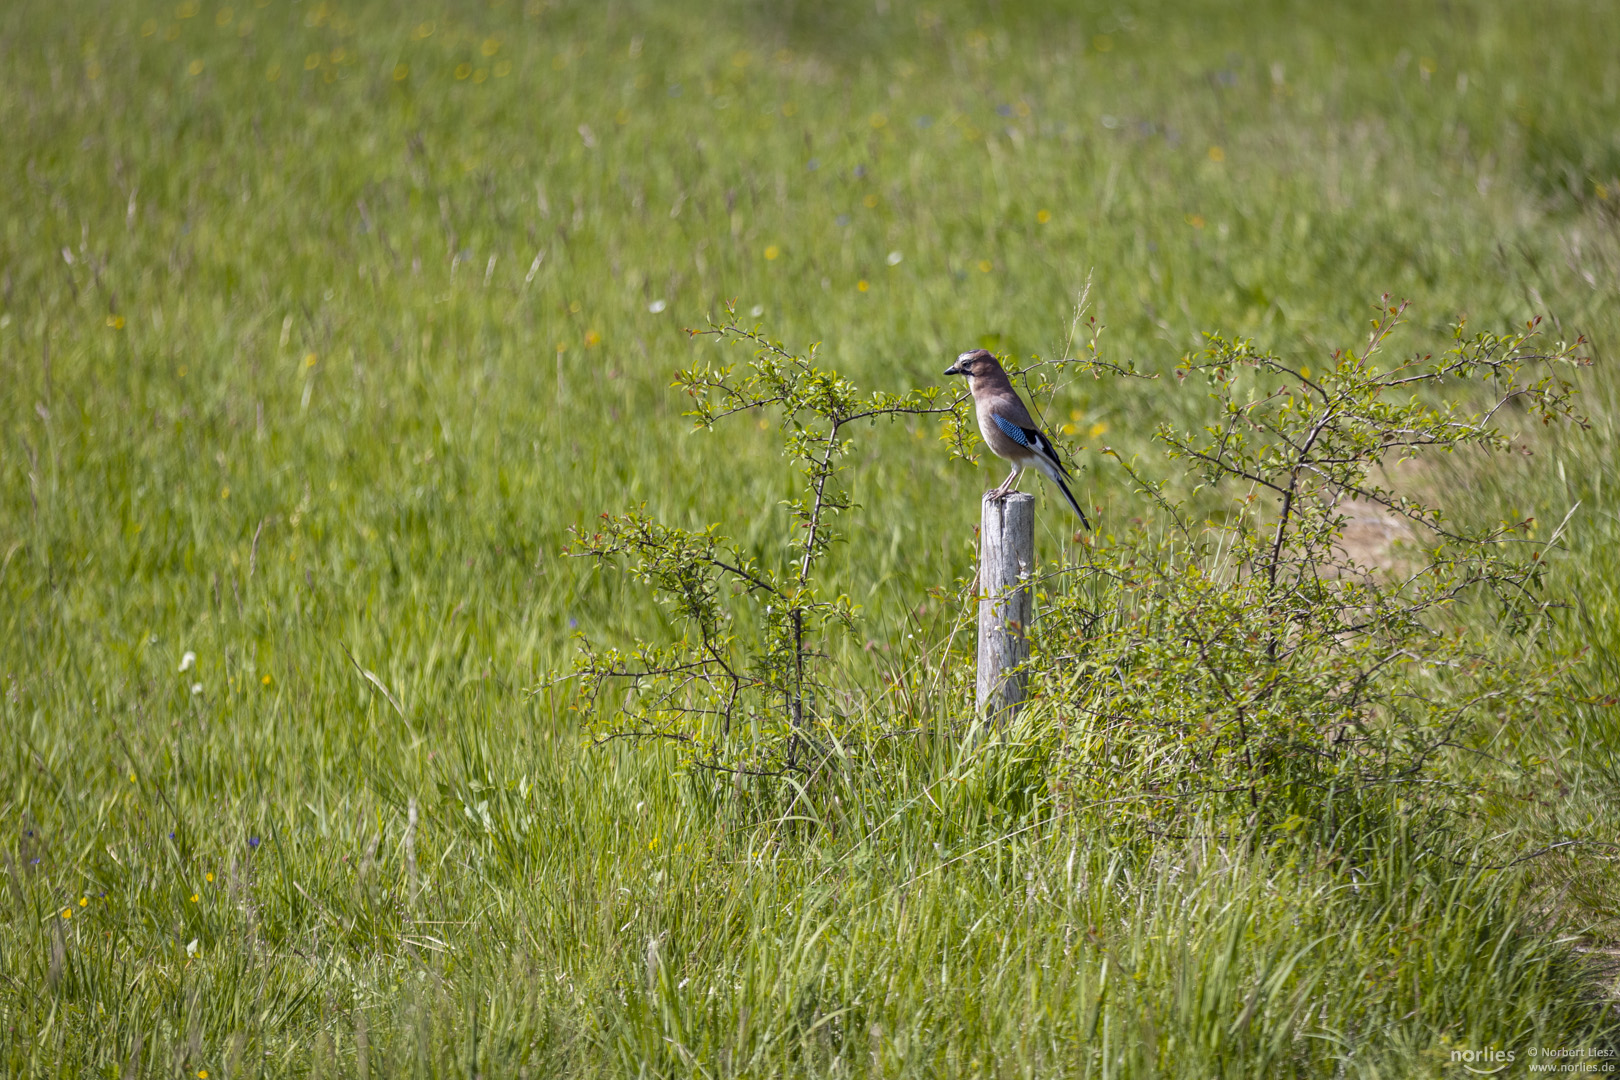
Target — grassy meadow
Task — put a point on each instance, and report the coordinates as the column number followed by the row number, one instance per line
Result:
column 323, row 321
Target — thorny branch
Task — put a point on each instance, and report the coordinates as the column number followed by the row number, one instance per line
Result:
column 1258, row 649
column 710, row 682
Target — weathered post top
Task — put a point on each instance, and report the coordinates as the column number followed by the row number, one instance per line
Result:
column 1006, row 604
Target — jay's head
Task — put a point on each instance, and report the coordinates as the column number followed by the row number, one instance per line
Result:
column 977, row 364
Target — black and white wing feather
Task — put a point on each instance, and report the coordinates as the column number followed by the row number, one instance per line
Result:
column 1031, row 440
column 1045, row 456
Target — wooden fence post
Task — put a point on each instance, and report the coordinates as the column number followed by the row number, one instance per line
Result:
column 1006, row 565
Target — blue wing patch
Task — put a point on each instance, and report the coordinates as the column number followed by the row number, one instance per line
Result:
column 1016, row 433
column 1033, row 441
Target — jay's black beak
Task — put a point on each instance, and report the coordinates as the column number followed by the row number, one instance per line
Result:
column 953, row 370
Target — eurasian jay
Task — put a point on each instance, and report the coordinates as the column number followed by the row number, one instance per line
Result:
column 1007, row 427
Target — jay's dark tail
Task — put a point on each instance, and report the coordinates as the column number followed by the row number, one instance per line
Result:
column 1067, row 494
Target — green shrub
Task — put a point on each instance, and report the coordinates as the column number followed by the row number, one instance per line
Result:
column 761, row 705
column 1246, row 650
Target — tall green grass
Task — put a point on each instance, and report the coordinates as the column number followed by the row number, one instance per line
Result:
column 312, row 349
